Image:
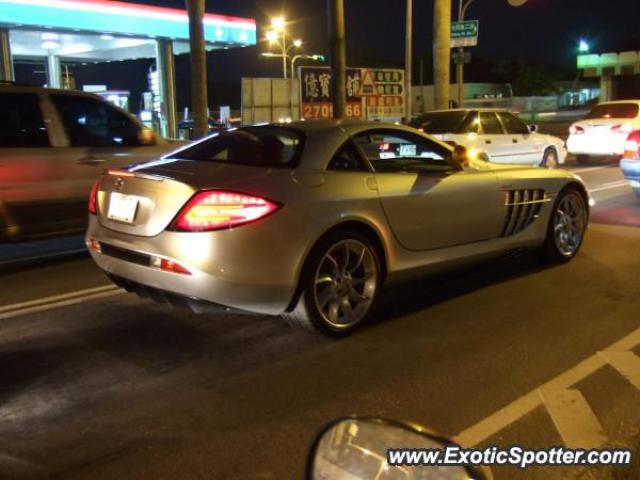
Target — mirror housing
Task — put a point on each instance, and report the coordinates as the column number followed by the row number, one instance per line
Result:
column 533, row 128
column 147, row 137
column 460, row 157
column 356, row 448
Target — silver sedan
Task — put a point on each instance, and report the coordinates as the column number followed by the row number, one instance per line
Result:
column 307, row 220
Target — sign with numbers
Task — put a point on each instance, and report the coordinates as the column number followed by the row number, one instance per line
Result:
column 371, row 93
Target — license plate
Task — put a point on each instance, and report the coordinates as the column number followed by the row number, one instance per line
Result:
column 122, row 208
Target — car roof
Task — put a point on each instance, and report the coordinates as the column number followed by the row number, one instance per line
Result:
column 14, row 87
column 468, row 110
column 620, row 101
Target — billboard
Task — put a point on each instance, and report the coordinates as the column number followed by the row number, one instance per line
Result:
column 371, row 93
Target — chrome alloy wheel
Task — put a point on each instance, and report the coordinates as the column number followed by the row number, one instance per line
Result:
column 345, row 283
column 569, row 224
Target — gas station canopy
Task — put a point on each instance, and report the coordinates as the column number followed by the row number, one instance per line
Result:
column 110, row 30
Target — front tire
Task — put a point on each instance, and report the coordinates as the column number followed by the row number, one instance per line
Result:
column 339, row 284
column 567, row 226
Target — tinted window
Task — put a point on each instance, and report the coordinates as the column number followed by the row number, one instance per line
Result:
column 21, row 123
column 93, row 123
column 262, row 146
column 347, row 158
column 439, row 122
column 396, row 151
column 512, row 124
column 470, row 124
column 614, row 110
column 490, row 123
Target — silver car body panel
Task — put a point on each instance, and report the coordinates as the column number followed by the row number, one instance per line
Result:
column 423, row 224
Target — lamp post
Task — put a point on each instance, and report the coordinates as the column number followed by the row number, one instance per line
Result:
column 278, row 36
column 317, row 58
column 462, row 10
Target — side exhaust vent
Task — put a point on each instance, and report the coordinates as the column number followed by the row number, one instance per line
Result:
column 523, row 208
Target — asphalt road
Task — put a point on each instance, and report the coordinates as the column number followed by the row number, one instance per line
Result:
column 99, row 384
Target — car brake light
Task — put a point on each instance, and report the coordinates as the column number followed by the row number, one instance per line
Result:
column 220, row 209
column 576, row 130
column 624, row 128
column 632, row 145
column 170, row 266
column 93, row 198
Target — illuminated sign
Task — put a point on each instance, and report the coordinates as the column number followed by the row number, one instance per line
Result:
column 107, row 16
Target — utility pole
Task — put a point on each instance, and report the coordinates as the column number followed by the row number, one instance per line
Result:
column 338, row 56
column 441, row 52
column 199, row 99
column 408, row 70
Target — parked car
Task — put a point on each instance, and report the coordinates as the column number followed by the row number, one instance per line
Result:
column 604, row 131
column 496, row 135
column 630, row 163
column 53, row 143
column 185, row 128
column 307, row 220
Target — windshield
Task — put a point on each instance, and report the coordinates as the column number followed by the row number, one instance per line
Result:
column 266, row 146
column 440, row 122
column 614, row 110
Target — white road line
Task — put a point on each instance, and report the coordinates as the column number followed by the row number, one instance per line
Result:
column 575, row 421
column 610, row 186
column 507, row 415
column 626, row 363
column 34, row 306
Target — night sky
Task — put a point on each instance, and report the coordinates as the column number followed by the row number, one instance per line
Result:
column 542, row 31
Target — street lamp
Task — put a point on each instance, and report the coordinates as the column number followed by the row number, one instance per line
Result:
column 317, row 58
column 583, row 46
column 463, row 5
column 278, row 36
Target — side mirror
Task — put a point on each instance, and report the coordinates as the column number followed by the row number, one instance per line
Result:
column 147, row 137
column 358, row 449
column 533, row 128
column 460, row 157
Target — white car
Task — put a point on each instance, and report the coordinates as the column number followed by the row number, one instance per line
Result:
column 494, row 135
column 605, row 129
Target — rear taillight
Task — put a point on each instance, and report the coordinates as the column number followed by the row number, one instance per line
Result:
column 220, row 209
column 623, row 128
column 576, row 130
column 93, row 198
column 632, row 145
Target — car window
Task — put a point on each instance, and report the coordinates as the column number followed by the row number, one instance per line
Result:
column 439, row 122
column 91, row 122
column 512, row 124
column 470, row 124
column 398, row 151
column 348, row 158
column 614, row 110
column 490, row 123
column 267, row 145
column 21, row 122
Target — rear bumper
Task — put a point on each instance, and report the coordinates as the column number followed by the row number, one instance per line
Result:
column 586, row 144
column 238, row 269
column 631, row 171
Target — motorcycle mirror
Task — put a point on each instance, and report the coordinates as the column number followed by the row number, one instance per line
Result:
column 356, row 449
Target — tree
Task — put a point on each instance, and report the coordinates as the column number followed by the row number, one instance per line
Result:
column 199, row 99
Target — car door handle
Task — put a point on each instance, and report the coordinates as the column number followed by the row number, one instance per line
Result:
column 90, row 160
column 488, row 142
column 514, row 140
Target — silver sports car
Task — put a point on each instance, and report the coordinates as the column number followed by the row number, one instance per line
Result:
column 307, row 220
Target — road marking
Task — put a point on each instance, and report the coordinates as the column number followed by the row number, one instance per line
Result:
column 575, row 421
column 509, row 414
column 610, row 186
column 626, row 363
column 56, row 301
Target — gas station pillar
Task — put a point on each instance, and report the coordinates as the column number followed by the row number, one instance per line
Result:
column 54, row 74
column 167, row 81
column 6, row 61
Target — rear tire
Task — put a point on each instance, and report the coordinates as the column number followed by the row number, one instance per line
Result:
column 339, row 284
column 550, row 158
column 567, row 226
